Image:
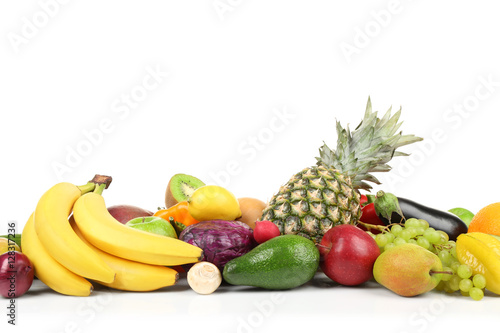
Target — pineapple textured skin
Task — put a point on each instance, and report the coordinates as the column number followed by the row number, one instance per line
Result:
column 325, row 195
column 313, row 201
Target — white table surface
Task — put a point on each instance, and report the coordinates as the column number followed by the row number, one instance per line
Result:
column 320, row 305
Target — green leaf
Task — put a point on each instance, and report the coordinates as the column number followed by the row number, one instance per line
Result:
column 386, row 204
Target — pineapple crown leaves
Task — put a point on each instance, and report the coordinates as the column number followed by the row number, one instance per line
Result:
column 368, row 148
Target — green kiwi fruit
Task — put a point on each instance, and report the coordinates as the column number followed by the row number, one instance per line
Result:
column 180, row 187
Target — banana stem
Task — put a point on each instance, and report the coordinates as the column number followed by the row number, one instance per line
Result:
column 101, row 179
column 87, row 187
column 99, row 189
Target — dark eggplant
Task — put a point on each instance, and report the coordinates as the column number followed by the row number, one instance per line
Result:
column 438, row 219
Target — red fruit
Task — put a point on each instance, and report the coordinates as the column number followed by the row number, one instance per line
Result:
column 347, row 255
column 264, row 231
column 369, row 215
column 125, row 213
column 16, row 274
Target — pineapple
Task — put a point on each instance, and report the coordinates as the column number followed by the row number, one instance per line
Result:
column 327, row 194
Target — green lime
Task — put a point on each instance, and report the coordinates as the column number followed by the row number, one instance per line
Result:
column 464, row 214
column 153, row 224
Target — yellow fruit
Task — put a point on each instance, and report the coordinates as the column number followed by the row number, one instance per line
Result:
column 47, row 269
column 482, row 253
column 133, row 275
column 104, row 232
column 212, row 202
column 8, row 246
column 60, row 241
column 251, row 210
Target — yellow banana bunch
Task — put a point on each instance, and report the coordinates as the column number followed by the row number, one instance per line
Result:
column 59, row 239
column 47, row 269
column 103, row 231
column 67, row 251
column 482, row 253
column 133, row 275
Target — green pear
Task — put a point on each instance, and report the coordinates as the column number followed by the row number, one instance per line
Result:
column 153, row 224
column 408, row 270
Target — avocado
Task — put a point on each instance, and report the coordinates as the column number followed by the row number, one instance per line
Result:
column 283, row 262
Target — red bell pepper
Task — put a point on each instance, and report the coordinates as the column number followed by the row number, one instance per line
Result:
column 369, row 215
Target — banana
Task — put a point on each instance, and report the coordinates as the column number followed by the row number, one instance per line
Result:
column 133, row 275
column 47, row 269
column 104, row 232
column 59, row 239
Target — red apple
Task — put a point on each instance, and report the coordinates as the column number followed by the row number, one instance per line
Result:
column 348, row 254
column 125, row 213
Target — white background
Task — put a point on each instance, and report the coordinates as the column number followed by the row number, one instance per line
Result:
column 252, row 88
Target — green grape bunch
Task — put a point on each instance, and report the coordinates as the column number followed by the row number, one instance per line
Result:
column 458, row 277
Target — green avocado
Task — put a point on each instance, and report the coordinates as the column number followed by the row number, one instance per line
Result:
column 283, row 262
